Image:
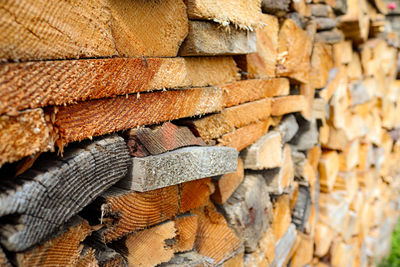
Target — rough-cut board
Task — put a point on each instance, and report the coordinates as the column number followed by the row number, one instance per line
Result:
column 195, row 194
column 63, row 250
column 99, row 117
column 214, row 238
column 294, row 51
column 38, row 84
column 249, row 90
column 249, row 211
column 226, row 184
column 56, row 188
column 186, row 228
column 215, row 125
column 148, row 247
column 287, row 104
column 125, row 212
column 23, row 135
column 240, row 13
column 245, row 136
column 32, row 30
column 178, row 166
column 147, row 141
column 321, row 63
column 266, row 153
column 209, row 39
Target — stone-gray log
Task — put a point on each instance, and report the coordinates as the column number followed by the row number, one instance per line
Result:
column 288, row 127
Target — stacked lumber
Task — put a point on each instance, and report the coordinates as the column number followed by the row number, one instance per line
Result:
column 195, row 133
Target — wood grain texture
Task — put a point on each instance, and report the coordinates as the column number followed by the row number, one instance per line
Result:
column 57, row 188
column 249, row 211
column 210, row 39
column 23, row 135
column 63, row 250
column 125, row 211
column 250, row 90
column 293, row 52
column 38, row 84
column 215, row 125
column 186, row 228
column 243, row 14
column 178, row 166
column 321, row 63
column 287, row 104
column 245, row 136
column 87, row 258
column 194, row 194
column 99, row 117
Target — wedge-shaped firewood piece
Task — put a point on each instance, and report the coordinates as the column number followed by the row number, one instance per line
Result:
column 323, row 239
column 129, row 75
column 186, row 228
column 355, row 24
column 302, row 208
column 215, row 125
column 287, row 104
column 328, row 169
column 63, row 250
column 148, row 247
column 263, row 63
column 284, row 246
column 267, row 245
column 266, row 153
column 293, row 52
column 195, row 194
column 245, row 136
column 342, row 53
column 147, row 141
column 307, row 136
column 98, row 117
column 56, row 188
column 87, row 258
column 288, row 128
column 250, row 90
column 189, row 259
column 109, row 28
column 304, row 252
column 243, row 14
column 215, row 239
column 282, row 218
column 249, row 210
column 321, row 63
column 23, row 135
column 227, row 184
column 178, row 166
column 209, row 39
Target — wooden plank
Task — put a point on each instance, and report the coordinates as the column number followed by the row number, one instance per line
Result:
column 63, row 250
column 186, row 228
column 249, row 211
column 215, row 125
column 98, row 117
column 321, row 63
column 240, row 13
column 34, row 30
column 287, row 104
column 245, row 136
column 121, row 213
column 153, row 141
column 226, row 184
column 23, row 135
column 293, row 52
column 194, row 194
column 266, row 153
column 56, row 188
column 38, row 84
column 178, row 166
column 250, row 90
column 215, row 239
column 210, row 39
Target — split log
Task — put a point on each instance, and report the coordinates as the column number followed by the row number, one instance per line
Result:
column 281, row 221
column 287, row 104
column 255, row 259
column 341, row 253
column 214, row 237
column 333, row 210
column 304, row 252
column 56, row 188
column 293, row 52
column 245, row 136
column 342, row 53
column 210, row 39
column 307, row 136
column 147, row 141
column 195, row 194
column 249, row 211
column 325, row 23
column 329, row 37
column 242, row 14
column 355, row 24
column 98, row 117
column 321, row 63
column 283, row 246
column 348, row 159
column 148, row 247
column 354, row 68
column 109, row 28
column 301, row 8
column 288, row 127
column 323, row 238
column 302, row 208
column 267, row 245
column 63, row 250
column 308, row 91
column 188, row 259
column 337, row 81
column 235, row 261
column 262, row 64
column 23, row 135
column 186, row 227
column 275, row 6
column 32, row 84
column 227, row 184
column 321, row 10
column 178, row 166
column 215, row 125
column 328, row 169
column 266, row 153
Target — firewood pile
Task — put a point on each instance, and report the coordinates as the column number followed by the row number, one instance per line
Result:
column 198, row 133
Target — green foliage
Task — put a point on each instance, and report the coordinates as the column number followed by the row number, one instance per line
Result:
column 394, row 258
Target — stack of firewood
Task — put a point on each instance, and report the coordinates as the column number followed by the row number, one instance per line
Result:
column 198, row 133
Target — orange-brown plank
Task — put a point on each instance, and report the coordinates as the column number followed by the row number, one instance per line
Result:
column 288, row 104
